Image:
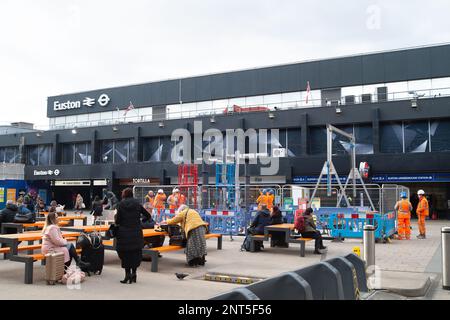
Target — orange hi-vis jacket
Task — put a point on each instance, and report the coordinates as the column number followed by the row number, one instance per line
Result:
column 270, row 200
column 159, row 202
column 262, row 199
column 422, row 207
column 150, row 200
column 173, row 201
column 404, row 208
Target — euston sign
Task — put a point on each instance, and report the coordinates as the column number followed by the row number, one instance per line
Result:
column 89, row 102
column 55, row 172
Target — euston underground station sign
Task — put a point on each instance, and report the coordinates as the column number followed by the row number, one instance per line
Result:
column 103, row 100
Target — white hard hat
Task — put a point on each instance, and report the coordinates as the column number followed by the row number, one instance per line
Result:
column 421, row 192
column 175, row 190
column 160, row 191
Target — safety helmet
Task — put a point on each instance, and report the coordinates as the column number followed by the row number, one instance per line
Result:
column 160, row 191
column 420, row 192
column 150, row 192
column 270, row 191
column 175, row 190
column 403, row 194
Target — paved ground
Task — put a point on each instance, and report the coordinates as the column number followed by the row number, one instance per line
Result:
column 420, row 256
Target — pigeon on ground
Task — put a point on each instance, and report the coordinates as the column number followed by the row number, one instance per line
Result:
column 181, row 276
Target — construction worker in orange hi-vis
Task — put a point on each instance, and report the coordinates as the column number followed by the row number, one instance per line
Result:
column 270, row 199
column 422, row 212
column 403, row 208
column 160, row 201
column 262, row 199
column 149, row 199
column 176, row 199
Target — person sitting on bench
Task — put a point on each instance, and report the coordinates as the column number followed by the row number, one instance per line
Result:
column 310, row 231
column 278, row 238
column 52, row 240
column 261, row 220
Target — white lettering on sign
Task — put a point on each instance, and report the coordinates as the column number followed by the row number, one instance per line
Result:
column 55, row 172
column 89, row 102
column 58, row 106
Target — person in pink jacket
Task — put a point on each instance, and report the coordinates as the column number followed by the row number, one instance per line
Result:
column 52, row 240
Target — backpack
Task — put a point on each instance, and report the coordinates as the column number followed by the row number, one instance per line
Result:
column 300, row 223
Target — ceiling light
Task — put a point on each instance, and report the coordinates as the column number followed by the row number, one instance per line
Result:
column 74, row 131
column 161, row 124
column 115, row 129
column 338, row 110
column 271, row 115
column 212, row 120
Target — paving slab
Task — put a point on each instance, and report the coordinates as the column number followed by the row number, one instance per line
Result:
column 408, row 284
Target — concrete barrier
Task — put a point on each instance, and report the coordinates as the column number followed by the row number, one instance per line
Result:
column 348, row 276
column 340, row 278
column 237, row 294
column 287, row 286
column 360, row 268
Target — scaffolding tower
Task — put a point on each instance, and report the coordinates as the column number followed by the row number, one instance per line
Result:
column 188, row 182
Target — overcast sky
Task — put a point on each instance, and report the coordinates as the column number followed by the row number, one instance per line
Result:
column 54, row 47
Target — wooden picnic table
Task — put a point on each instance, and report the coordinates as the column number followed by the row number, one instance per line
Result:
column 21, row 227
column 13, row 240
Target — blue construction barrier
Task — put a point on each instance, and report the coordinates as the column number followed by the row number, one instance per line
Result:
column 344, row 225
column 226, row 222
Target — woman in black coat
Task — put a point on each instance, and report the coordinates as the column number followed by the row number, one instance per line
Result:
column 97, row 208
column 129, row 239
column 278, row 238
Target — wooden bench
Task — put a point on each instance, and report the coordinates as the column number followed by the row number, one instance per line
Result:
column 214, row 235
column 262, row 238
column 29, row 262
column 154, row 254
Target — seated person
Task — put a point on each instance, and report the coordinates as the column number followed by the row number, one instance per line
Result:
column 52, row 240
column 261, row 220
column 8, row 214
column 278, row 238
column 310, row 231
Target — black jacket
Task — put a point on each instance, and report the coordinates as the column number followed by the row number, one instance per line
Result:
column 262, row 220
column 129, row 236
column 278, row 219
column 8, row 214
column 97, row 208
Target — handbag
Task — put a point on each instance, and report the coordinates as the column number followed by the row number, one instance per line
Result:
column 83, row 206
column 177, row 237
column 73, row 276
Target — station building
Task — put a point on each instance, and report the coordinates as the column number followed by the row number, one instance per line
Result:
column 396, row 103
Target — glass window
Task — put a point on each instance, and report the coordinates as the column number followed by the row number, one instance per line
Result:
column 416, row 136
column 106, row 115
column 9, row 155
column 39, row 155
column 82, row 153
column 356, row 91
column 60, row 120
column 82, row 118
column 317, row 142
column 440, row 135
column 33, row 156
column 152, row 150
column 254, row 101
column 174, row 111
column 237, row 101
column 272, row 100
column 45, row 155
column 364, row 139
column 294, row 139
column 204, row 108
column 189, row 110
column 67, row 154
column 94, row 116
column 121, row 151
column 420, row 86
column 71, row 120
column 12, row 155
column 107, row 152
column 341, row 144
column 166, row 148
column 441, row 86
column 291, row 100
column 220, row 106
column 398, row 90
column 314, row 99
column 391, row 138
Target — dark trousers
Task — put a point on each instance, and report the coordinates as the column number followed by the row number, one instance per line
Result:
column 72, row 253
column 315, row 235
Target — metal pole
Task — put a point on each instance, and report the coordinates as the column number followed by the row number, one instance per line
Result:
column 369, row 246
column 329, row 159
column 445, row 231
